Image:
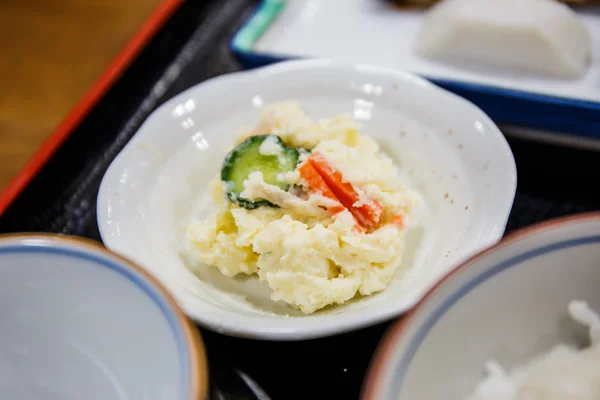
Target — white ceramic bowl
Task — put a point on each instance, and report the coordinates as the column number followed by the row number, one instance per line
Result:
column 508, row 304
column 447, row 148
column 78, row 322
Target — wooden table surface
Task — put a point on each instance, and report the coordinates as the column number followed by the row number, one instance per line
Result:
column 52, row 52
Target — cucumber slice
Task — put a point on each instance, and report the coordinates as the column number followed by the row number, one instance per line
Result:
column 247, row 158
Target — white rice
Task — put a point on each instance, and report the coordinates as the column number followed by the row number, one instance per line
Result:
column 562, row 373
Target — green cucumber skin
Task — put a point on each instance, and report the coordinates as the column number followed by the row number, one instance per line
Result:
column 247, row 152
column 247, row 204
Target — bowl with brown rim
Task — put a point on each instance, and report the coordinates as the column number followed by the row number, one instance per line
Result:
column 79, row 321
column 509, row 304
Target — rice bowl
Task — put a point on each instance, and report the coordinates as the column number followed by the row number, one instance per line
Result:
column 506, row 309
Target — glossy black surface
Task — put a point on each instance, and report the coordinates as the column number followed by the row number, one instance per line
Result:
column 193, row 47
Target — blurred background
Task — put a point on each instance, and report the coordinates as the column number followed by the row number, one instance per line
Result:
column 48, row 63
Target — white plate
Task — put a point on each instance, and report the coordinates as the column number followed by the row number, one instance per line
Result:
column 449, row 151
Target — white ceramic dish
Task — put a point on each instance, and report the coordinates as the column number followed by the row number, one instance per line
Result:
column 449, row 150
column 508, row 303
column 81, row 323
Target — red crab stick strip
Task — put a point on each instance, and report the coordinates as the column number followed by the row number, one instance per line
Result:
column 367, row 214
column 316, row 183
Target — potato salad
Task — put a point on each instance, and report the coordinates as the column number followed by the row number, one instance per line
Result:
column 314, row 208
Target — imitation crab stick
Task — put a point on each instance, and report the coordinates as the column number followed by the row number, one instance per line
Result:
column 316, row 183
column 367, row 213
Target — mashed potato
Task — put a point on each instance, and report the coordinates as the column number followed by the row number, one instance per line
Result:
column 563, row 373
column 310, row 250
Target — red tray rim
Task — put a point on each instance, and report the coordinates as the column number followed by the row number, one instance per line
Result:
column 86, row 103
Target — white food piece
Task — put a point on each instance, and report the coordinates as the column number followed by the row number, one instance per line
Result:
column 271, row 147
column 583, row 314
column 562, row 373
column 539, row 36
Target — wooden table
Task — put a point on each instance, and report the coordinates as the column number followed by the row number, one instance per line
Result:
column 52, row 52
